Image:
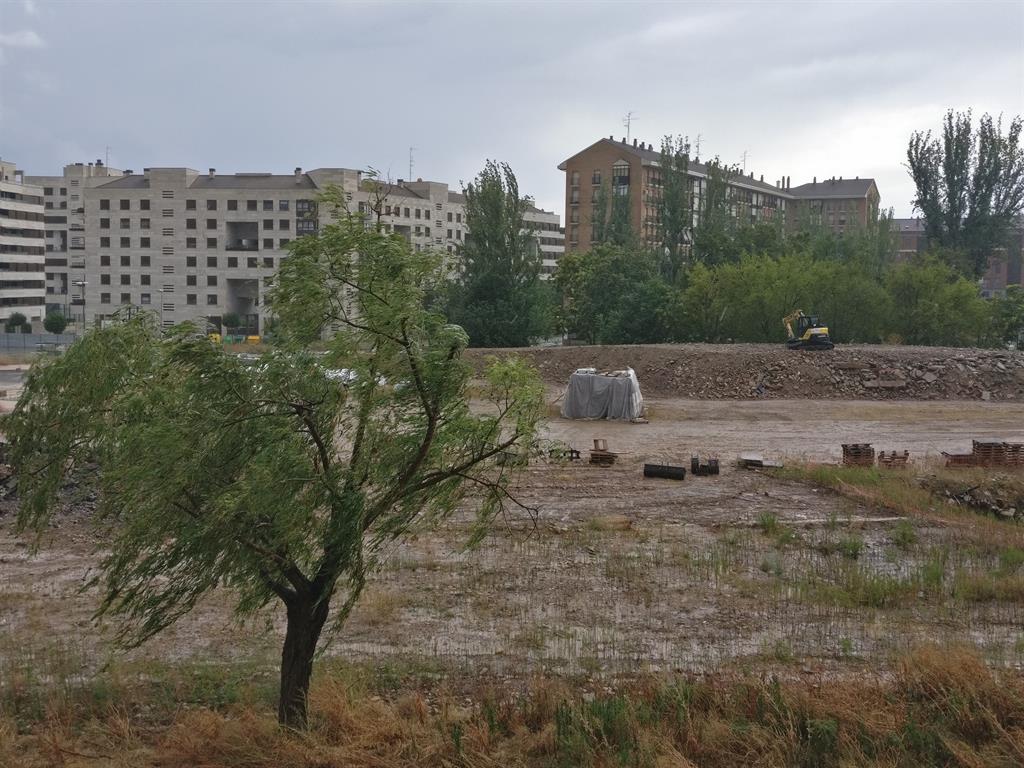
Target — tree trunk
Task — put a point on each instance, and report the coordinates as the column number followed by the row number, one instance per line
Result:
column 305, row 622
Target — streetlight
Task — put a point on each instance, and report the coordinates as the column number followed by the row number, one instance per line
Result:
column 81, row 284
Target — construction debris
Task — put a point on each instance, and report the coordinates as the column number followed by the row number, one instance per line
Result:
column 666, row 471
column 600, row 454
column 703, row 469
column 893, row 460
column 756, row 461
column 988, row 454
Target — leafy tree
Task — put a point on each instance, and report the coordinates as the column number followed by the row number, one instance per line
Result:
column 16, row 322
column 970, row 185
column 934, row 305
column 1008, row 316
column 675, row 205
column 231, row 320
column 714, row 239
column 276, row 480
column 497, row 297
column 55, row 322
column 614, row 295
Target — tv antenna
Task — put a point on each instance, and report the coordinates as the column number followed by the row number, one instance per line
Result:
column 628, row 121
column 697, row 145
column 410, row 162
column 745, row 156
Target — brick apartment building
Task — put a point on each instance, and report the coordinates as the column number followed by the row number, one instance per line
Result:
column 634, row 168
column 189, row 245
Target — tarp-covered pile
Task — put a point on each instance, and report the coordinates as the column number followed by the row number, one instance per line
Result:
column 593, row 395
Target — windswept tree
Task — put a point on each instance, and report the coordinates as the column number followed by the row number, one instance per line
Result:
column 280, row 481
column 714, row 240
column 497, row 295
column 969, row 186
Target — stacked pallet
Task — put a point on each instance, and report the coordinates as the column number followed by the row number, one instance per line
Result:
column 893, row 460
column 858, row 455
column 600, row 454
column 985, row 453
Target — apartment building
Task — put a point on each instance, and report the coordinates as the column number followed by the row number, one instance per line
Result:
column 633, row 169
column 1006, row 266
column 22, row 271
column 199, row 246
column 834, row 203
column 64, row 215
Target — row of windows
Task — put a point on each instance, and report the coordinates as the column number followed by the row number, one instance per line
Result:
column 211, row 205
column 145, row 223
column 190, row 242
column 251, row 262
column 191, row 280
column 146, row 299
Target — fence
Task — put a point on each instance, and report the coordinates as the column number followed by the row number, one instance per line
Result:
column 33, row 342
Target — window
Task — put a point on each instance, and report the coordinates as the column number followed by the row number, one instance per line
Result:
column 126, row 298
column 144, row 261
column 104, row 204
column 268, row 243
column 126, row 205
column 143, row 205
column 126, row 261
column 575, row 178
column 126, row 223
column 104, row 223
column 144, row 223
column 458, row 234
column 268, row 261
column 268, row 205
column 283, row 242
column 190, row 279
column 251, row 262
column 190, row 205
column 426, row 231
column 104, row 279
column 407, row 213
column 190, row 298
column 232, row 205
column 211, row 299
column 190, row 261
column 285, row 224
column 211, row 280
column 145, row 298
column 458, row 218
column 104, row 242
column 144, row 279
column 211, row 205
column 104, row 298
column 211, row 223
column 126, row 279
column 47, row 190
column 250, row 205
column 418, row 213
column 449, row 215
column 105, row 260
column 282, row 205
column 211, row 261
column 449, row 234
column 232, row 261
column 595, row 178
column 211, row 242
column 190, row 242
column 268, row 223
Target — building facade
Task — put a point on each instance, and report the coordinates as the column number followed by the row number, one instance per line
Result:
column 633, row 169
column 200, row 246
column 22, row 248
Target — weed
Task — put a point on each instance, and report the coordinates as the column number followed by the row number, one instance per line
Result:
column 845, row 648
column 768, row 523
column 903, row 535
column 851, row 546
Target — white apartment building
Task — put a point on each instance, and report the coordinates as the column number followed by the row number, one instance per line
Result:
column 22, row 281
column 191, row 246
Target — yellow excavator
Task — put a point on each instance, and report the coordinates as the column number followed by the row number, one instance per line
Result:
column 810, row 334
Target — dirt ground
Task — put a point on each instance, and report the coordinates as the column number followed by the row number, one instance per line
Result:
column 620, row 573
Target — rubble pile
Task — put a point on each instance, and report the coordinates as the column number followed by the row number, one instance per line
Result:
column 751, row 371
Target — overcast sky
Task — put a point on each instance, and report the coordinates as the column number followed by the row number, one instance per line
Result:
column 804, row 88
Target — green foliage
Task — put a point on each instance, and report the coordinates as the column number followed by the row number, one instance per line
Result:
column 613, row 295
column 969, row 186
column 16, row 322
column 497, row 297
column 275, row 480
column 934, row 305
column 1008, row 316
column 714, row 240
column 231, row 320
column 55, row 322
column 675, row 205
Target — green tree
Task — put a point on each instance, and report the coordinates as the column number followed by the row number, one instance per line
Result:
column 497, row 297
column 277, row 481
column 16, row 322
column 231, row 321
column 675, row 205
column 615, row 295
column 934, row 305
column 55, row 322
column 714, row 240
column 969, row 185
column 1008, row 316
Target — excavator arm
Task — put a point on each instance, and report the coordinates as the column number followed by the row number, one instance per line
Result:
column 787, row 321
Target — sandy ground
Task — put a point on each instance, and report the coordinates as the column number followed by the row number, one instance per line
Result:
column 618, row 575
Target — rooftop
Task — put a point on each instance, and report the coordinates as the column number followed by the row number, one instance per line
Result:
column 833, row 188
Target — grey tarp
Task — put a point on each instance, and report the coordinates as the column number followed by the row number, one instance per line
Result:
column 598, row 396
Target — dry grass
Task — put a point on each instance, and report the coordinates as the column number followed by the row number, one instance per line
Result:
column 942, row 707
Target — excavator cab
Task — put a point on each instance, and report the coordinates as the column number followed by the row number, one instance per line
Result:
column 810, row 334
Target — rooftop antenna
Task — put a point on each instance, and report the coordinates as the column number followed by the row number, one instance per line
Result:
column 697, row 143
column 410, row 162
column 745, row 155
column 106, row 161
column 628, row 121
